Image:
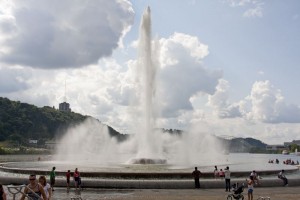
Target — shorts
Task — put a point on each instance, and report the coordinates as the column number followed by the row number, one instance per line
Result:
column 52, row 181
column 68, row 180
column 250, row 191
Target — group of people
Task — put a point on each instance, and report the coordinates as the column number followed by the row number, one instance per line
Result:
column 272, row 161
column 221, row 173
column 253, row 179
column 224, row 174
column 34, row 190
column 37, row 189
column 290, row 162
column 76, row 176
column 286, row 162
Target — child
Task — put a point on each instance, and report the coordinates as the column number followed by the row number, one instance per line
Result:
column 221, row 174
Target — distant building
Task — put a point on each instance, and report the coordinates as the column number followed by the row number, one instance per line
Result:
column 275, row 147
column 30, row 141
column 64, row 107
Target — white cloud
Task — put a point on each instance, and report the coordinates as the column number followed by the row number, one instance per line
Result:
column 254, row 12
column 235, row 3
column 254, row 7
column 59, row 34
column 185, row 76
column 264, row 104
column 268, row 105
column 219, row 101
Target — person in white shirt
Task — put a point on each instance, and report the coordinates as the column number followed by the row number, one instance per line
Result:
column 227, row 179
column 255, row 177
column 216, row 172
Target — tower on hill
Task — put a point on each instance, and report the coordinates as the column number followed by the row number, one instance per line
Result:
column 65, row 106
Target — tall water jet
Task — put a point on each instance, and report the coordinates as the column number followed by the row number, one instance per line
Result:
column 147, row 152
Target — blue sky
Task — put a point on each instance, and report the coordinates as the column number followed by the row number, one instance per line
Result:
column 235, row 63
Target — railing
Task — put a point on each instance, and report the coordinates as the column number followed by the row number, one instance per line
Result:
column 19, row 189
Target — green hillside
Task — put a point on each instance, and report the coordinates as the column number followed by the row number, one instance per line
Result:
column 20, row 122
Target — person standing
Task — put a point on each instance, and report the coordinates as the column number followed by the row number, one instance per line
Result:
column 196, row 174
column 227, row 178
column 216, row 172
column 46, row 186
column 76, row 178
column 2, row 193
column 68, row 176
column 250, row 187
column 255, row 177
column 52, row 178
column 281, row 175
column 221, row 174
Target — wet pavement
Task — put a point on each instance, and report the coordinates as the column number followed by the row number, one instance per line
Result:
column 275, row 193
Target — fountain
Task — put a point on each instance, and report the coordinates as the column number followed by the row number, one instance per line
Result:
column 148, row 153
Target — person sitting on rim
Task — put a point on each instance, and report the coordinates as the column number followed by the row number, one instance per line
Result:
column 34, row 190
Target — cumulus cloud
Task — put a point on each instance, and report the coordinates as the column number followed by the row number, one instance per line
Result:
column 183, row 74
column 60, row 34
column 264, row 104
column 268, row 105
column 219, row 101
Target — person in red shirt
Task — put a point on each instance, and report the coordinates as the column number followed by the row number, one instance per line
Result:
column 77, row 178
column 68, row 176
column 221, row 174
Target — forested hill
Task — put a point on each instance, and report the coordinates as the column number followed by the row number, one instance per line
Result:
column 21, row 121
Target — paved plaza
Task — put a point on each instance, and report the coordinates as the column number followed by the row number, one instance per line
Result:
column 275, row 193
